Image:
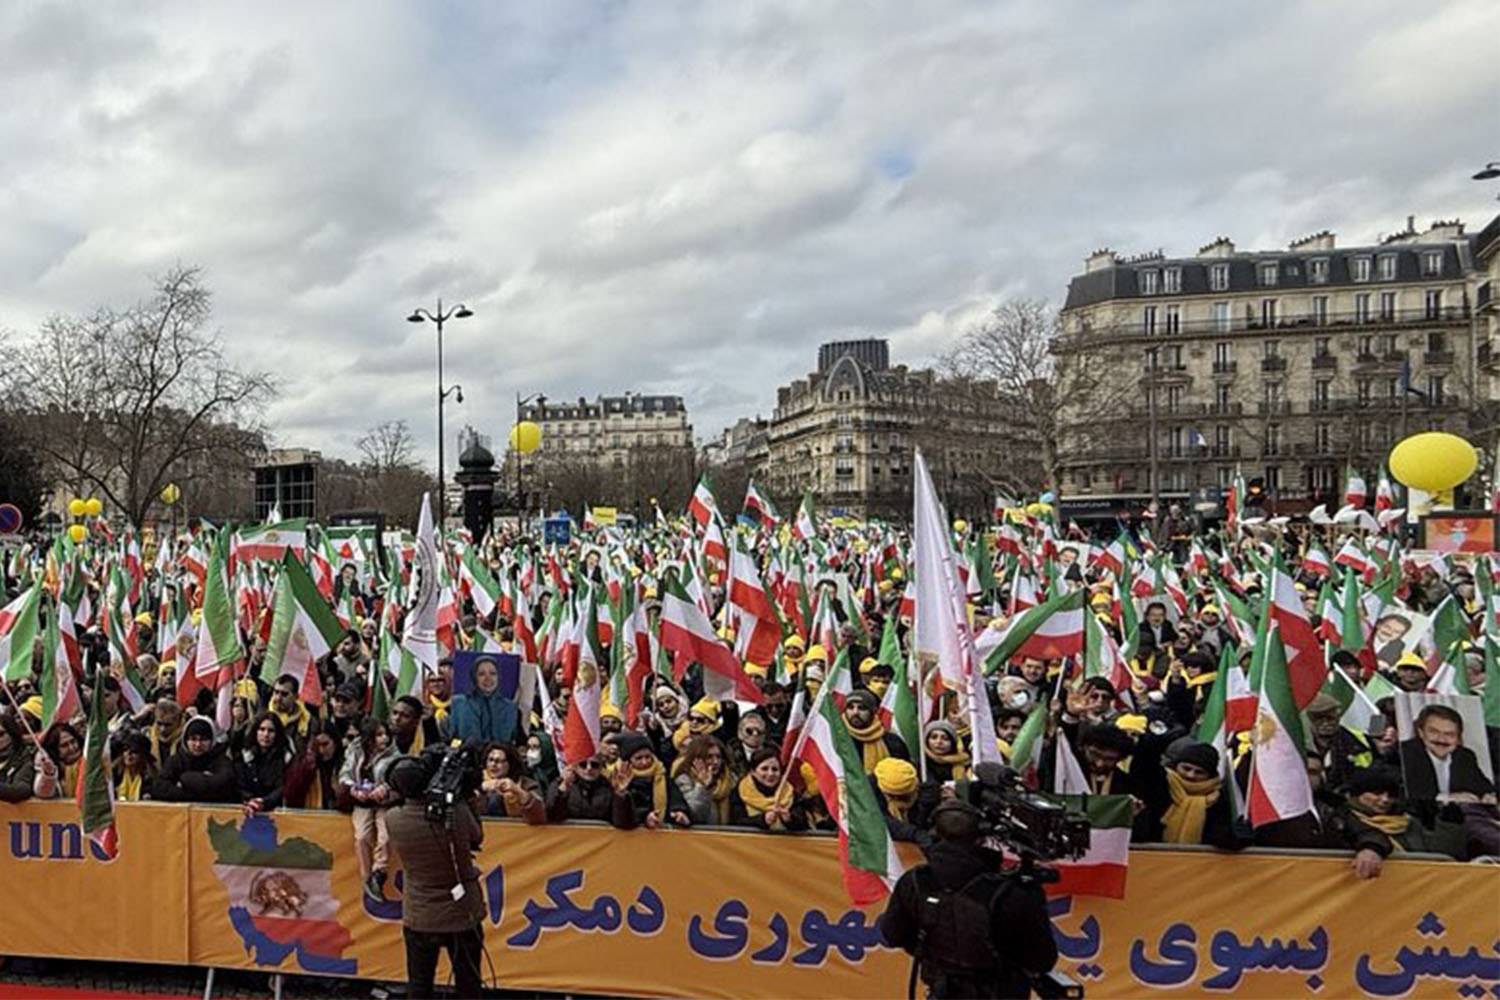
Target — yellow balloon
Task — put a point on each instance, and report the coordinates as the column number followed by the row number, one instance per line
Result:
column 1433, row 461
column 76, row 507
column 93, row 507
column 960, row 526
column 77, row 532
column 896, row 573
column 170, row 494
column 525, row 437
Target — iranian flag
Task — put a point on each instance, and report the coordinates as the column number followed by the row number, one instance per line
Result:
column 1278, row 773
column 898, row 707
column 687, row 633
column 805, row 526
column 478, row 583
column 96, row 794
column 59, row 663
column 304, row 629
column 1355, row 492
column 1222, row 718
column 1112, row 558
column 871, row 865
column 525, row 634
column 1102, row 656
column 702, row 506
column 1026, row 752
column 270, row 542
column 581, row 732
column 1101, row 870
column 1303, row 653
column 1352, row 556
column 218, row 652
column 1049, row 631
column 19, row 624
column 420, row 629
column 1385, row 494
column 1315, row 560
column 760, row 508
column 760, row 627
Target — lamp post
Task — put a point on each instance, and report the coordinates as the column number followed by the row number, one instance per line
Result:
column 540, row 399
column 440, row 317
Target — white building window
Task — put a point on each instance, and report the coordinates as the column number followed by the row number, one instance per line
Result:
column 1387, row 267
column 1171, row 280
column 1174, row 319
column 1432, row 263
column 1148, row 282
column 1317, row 270
column 1362, row 307
column 1268, row 273
column 1361, row 269
column 1218, row 277
column 1148, row 321
column 1432, row 303
column 1320, row 310
column 1387, row 306
column 1267, row 312
column 1221, row 316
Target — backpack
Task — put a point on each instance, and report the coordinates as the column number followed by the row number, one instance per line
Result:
column 954, row 935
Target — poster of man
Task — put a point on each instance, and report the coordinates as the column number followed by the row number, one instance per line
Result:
column 1398, row 631
column 1444, row 753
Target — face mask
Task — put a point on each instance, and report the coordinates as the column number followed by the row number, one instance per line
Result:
column 533, row 757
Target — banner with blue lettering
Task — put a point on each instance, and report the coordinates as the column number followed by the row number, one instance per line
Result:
column 718, row 913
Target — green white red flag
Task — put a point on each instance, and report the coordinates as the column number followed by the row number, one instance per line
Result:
column 1278, row 771
column 19, row 624
column 686, row 632
column 304, row 629
column 96, row 797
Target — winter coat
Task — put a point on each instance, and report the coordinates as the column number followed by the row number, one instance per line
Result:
column 206, row 777
column 484, row 717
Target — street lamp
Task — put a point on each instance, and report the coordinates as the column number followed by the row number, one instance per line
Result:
column 540, row 399
column 440, row 317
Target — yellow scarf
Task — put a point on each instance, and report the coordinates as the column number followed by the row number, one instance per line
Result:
column 757, row 802
column 129, row 787
column 658, row 776
column 1099, row 784
column 173, row 739
column 1005, row 750
column 439, row 708
column 899, row 805
column 1391, row 826
column 1182, row 823
column 418, row 741
column 296, row 722
column 959, row 760
column 871, row 741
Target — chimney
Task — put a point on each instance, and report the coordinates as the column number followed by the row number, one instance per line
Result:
column 1100, row 260
column 1221, row 247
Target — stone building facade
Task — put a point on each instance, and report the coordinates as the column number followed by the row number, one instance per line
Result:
column 608, row 429
column 848, row 430
column 1288, row 365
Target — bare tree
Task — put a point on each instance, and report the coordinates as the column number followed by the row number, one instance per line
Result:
column 386, row 446
column 120, row 400
column 1067, row 397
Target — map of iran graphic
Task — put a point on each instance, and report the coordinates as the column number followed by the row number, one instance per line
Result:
column 281, row 900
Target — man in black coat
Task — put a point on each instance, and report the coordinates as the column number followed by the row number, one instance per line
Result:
column 972, row 931
column 1436, row 763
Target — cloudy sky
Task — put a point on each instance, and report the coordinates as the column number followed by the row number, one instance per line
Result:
column 688, row 198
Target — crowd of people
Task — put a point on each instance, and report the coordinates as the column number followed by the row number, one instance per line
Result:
column 670, row 754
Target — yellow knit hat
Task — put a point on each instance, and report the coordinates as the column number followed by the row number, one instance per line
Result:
column 815, row 653
column 707, row 707
column 755, row 670
column 33, row 706
column 868, row 664
column 896, row 776
column 608, row 711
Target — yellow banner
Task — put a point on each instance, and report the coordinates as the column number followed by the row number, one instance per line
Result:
column 717, row 913
column 605, row 517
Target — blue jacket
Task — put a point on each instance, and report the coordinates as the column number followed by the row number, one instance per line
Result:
column 483, row 717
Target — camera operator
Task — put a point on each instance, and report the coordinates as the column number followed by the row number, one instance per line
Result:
column 972, row 931
column 442, row 905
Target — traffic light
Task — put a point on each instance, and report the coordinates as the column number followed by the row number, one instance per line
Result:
column 1255, row 492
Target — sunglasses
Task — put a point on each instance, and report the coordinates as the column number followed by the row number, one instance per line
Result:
column 588, row 765
column 755, row 732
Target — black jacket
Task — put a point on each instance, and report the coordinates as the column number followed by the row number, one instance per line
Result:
column 1464, row 774
column 207, row 777
column 630, row 810
column 261, row 774
column 16, row 775
column 1020, row 929
column 592, row 799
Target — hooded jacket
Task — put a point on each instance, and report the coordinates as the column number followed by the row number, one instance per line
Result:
column 205, row 777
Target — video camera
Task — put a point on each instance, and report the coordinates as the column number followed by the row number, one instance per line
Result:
column 454, row 774
column 1036, row 826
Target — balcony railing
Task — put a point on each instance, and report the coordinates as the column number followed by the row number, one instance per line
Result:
column 1243, row 324
column 1273, row 364
column 1274, row 407
column 1325, row 361
column 1437, row 357
column 1225, row 367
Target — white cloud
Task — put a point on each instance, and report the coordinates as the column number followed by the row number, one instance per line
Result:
column 687, row 197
